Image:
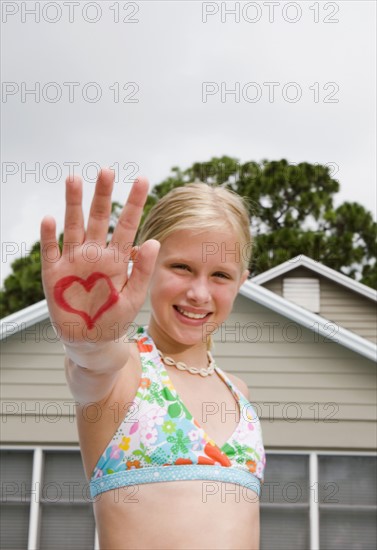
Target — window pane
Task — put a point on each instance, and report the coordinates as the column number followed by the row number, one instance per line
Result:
column 347, row 479
column 284, row 528
column 64, row 478
column 286, row 480
column 66, row 527
column 14, row 526
column 347, row 530
column 16, row 469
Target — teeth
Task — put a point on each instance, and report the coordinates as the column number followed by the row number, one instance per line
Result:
column 191, row 315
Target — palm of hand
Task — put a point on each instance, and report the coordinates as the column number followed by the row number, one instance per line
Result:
column 86, row 285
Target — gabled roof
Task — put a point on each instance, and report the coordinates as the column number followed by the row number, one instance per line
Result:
column 309, row 320
column 38, row 312
column 320, row 269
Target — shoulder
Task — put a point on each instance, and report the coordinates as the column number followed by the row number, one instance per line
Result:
column 241, row 385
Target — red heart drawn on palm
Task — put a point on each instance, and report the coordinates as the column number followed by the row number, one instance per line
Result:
column 62, row 285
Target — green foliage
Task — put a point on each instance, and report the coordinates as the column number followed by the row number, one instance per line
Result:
column 292, row 213
column 24, row 286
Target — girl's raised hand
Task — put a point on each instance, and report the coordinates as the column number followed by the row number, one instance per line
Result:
column 88, row 292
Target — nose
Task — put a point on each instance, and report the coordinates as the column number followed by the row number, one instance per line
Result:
column 199, row 292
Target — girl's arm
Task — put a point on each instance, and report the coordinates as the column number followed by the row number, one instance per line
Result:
column 90, row 297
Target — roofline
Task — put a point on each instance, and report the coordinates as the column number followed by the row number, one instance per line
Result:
column 38, row 312
column 24, row 318
column 309, row 320
column 325, row 271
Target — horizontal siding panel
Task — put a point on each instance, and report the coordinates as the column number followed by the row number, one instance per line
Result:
column 30, row 430
column 244, row 305
column 33, row 376
column 297, row 365
column 294, row 380
column 316, row 412
column 350, row 310
column 16, row 361
column 295, row 350
column 309, row 395
column 34, row 347
column 308, row 435
column 35, row 391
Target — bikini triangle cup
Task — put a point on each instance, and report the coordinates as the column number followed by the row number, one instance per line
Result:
column 159, row 440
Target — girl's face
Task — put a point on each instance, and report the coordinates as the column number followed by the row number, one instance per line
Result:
column 194, row 284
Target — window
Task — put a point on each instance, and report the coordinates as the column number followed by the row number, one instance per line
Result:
column 311, row 501
column 347, row 502
column 16, row 470
column 319, row 501
column 41, row 493
column 285, row 503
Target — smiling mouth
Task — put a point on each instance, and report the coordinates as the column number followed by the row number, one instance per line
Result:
column 191, row 315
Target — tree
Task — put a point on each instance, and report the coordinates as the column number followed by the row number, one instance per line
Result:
column 292, row 213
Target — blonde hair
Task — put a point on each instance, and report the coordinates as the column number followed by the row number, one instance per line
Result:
column 200, row 207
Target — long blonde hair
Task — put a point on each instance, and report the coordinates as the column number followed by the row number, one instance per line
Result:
column 200, row 207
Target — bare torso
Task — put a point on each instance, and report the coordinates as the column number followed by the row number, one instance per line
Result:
column 190, row 514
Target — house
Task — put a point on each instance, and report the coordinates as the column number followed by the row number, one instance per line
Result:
column 301, row 335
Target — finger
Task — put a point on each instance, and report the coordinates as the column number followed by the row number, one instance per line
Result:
column 100, row 210
column 125, row 230
column 142, row 270
column 74, row 230
column 50, row 252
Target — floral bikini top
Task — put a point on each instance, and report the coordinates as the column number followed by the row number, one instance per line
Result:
column 159, row 440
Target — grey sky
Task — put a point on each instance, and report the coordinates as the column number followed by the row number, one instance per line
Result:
column 168, row 53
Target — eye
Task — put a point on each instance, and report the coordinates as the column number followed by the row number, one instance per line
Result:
column 221, row 275
column 180, row 266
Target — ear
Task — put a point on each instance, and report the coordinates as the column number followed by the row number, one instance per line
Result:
column 244, row 276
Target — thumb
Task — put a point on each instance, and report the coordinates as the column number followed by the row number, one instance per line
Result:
column 134, row 252
column 144, row 259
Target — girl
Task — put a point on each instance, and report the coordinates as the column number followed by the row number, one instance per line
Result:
column 170, row 443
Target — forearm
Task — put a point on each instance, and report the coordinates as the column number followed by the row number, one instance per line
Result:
column 102, row 358
column 92, row 374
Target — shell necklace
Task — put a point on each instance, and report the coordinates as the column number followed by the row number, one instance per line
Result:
column 192, row 370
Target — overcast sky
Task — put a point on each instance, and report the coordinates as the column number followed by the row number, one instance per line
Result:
column 146, row 85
